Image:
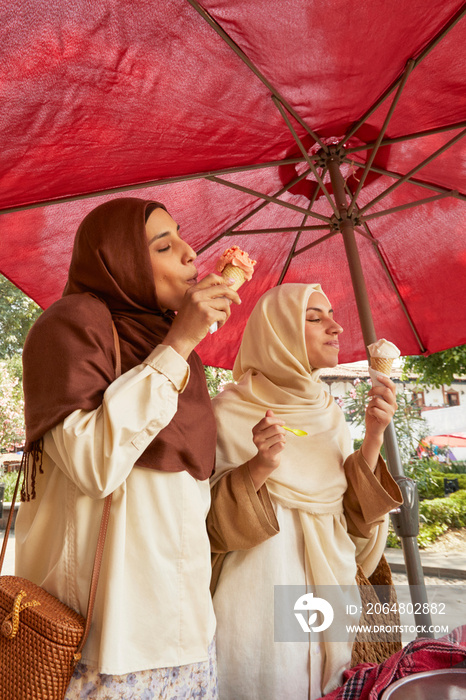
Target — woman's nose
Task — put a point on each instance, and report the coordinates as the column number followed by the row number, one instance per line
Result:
column 335, row 328
column 189, row 254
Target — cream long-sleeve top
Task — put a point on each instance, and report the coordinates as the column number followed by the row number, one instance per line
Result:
column 153, row 607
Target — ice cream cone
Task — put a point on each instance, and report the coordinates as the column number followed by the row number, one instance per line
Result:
column 235, row 266
column 235, row 273
column 382, row 364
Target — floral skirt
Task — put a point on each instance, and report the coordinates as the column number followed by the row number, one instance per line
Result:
column 197, row 680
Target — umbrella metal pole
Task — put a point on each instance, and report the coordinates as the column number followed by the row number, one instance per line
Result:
column 406, row 520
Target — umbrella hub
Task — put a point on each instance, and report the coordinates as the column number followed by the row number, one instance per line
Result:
column 337, row 222
column 337, row 152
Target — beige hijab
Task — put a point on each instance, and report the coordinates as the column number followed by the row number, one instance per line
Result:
column 272, row 371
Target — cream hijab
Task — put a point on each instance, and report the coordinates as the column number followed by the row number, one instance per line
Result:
column 272, row 371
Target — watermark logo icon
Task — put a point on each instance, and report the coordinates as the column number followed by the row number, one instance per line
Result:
column 309, row 603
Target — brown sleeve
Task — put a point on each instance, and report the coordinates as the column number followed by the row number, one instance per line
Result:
column 369, row 495
column 239, row 517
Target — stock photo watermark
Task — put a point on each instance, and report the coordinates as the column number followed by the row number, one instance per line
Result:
column 340, row 613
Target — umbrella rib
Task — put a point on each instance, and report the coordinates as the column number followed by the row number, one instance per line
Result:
column 277, row 229
column 364, row 234
column 247, row 216
column 305, row 154
column 407, row 137
column 414, row 170
column 380, row 257
column 151, row 183
column 247, row 61
column 291, row 253
column 410, row 181
column 369, row 112
column 401, row 86
column 441, row 34
column 289, row 257
column 404, row 308
column 270, row 198
column 408, row 205
column 314, row 243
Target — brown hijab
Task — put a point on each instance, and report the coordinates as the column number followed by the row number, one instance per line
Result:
column 69, row 356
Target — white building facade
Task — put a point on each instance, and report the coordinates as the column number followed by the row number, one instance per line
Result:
column 443, row 408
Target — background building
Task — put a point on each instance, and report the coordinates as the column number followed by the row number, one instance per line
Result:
column 444, row 408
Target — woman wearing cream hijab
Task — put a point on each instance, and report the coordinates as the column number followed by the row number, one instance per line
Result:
column 299, row 511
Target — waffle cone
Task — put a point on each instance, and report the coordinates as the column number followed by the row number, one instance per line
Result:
column 382, row 364
column 235, row 273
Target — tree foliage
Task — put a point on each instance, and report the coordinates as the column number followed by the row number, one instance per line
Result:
column 437, row 369
column 17, row 314
column 12, row 431
column 217, row 378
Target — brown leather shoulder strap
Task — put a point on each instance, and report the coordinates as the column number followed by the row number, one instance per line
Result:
column 102, row 531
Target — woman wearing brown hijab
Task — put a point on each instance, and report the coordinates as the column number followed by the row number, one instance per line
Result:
column 147, row 436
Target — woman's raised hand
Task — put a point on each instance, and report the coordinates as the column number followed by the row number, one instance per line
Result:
column 379, row 412
column 204, row 303
column 269, row 437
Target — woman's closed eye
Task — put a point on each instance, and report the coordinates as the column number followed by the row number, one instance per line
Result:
column 168, row 245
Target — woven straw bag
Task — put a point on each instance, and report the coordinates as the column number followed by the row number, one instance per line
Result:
column 41, row 638
column 369, row 647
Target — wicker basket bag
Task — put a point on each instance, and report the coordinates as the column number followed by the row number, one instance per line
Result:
column 378, row 588
column 39, row 638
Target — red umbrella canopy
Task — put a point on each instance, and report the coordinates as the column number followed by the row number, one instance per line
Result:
column 453, row 440
column 235, row 114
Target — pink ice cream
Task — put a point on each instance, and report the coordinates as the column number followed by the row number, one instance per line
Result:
column 238, row 258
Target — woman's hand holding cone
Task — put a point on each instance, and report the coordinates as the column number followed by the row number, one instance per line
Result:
column 204, row 303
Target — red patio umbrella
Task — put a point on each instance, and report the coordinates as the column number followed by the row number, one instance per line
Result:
column 454, row 440
column 143, row 94
column 323, row 138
